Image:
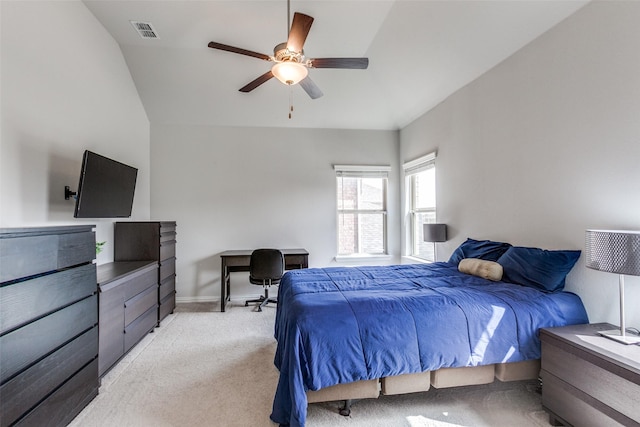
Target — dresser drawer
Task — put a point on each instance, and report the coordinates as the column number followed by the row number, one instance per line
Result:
column 605, row 386
column 167, row 235
column 22, row 347
column 141, row 283
column 562, row 398
column 167, row 287
column 24, row 391
column 167, row 305
column 76, row 248
column 167, row 250
column 23, row 301
column 30, row 255
column 135, row 331
column 66, row 402
column 167, row 227
column 137, row 305
column 167, row 268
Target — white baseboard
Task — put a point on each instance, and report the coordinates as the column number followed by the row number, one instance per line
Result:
column 217, row 299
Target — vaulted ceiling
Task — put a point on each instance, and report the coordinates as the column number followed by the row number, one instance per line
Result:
column 420, row 52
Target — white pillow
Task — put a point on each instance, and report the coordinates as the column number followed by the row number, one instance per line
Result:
column 478, row 267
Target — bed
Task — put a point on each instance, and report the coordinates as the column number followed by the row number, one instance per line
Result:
column 341, row 326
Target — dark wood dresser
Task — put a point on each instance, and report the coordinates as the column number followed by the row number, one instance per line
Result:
column 128, row 307
column 589, row 380
column 151, row 240
column 48, row 324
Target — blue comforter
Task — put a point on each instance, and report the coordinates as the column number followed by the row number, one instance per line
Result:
column 344, row 324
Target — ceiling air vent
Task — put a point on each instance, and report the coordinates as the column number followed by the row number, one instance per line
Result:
column 145, row 29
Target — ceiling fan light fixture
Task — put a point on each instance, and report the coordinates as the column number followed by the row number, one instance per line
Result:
column 289, row 72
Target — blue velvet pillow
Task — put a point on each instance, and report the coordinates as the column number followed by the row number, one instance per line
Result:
column 482, row 249
column 537, row 268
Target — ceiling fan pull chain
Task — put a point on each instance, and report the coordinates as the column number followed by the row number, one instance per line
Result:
column 290, row 100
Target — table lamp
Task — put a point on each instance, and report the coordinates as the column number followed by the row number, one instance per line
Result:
column 615, row 252
column 434, row 233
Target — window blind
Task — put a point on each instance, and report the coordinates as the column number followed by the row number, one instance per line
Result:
column 354, row 171
column 420, row 164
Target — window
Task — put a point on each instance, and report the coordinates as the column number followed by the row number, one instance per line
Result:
column 420, row 183
column 362, row 209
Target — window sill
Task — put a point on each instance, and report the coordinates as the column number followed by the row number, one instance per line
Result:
column 361, row 257
column 415, row 260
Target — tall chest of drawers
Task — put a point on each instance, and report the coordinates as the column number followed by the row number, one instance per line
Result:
column 48, row 324
column 151, row 240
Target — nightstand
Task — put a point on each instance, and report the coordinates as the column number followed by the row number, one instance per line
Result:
column 589, row 380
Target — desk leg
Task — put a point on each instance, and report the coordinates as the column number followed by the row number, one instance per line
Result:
column 223, row 284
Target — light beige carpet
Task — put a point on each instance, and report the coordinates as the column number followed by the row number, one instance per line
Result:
column 206, row 368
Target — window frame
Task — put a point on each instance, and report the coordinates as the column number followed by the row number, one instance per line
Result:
column 411, row 170
column 360, row 172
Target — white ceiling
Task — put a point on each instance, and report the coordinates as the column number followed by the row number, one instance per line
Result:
column 420, row 52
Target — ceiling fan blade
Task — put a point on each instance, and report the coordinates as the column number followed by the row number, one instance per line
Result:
column 348, row 63
column 311, row 88
column 257, row 82
column 299, row 29
column 214, row 45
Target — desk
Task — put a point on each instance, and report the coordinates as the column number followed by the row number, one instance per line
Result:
column 238, row 260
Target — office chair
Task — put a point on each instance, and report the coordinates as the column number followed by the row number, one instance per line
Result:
column 266, row 268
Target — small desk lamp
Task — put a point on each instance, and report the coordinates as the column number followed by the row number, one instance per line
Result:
column 615, row 252
column 434, row 233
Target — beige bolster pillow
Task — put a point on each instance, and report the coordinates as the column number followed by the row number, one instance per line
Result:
column 478, row 267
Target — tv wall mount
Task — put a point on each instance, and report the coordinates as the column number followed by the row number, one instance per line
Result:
column 68, row 193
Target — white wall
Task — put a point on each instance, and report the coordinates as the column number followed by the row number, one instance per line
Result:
column 546, row 145
column 65, row 88
column 244, row 188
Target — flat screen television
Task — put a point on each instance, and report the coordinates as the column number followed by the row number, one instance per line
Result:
column 105, row 189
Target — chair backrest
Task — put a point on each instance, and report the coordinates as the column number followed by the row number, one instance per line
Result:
column 266, row 265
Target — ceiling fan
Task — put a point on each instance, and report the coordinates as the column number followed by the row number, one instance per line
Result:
column 290, row 64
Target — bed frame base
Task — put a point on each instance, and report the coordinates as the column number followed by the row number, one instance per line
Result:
column 368, row 389
column 412, row 383
column 518, row 371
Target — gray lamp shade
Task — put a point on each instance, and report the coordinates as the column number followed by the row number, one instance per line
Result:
column 434, row 232
column 613, row 251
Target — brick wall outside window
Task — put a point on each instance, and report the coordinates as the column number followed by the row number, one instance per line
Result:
column 361, row 215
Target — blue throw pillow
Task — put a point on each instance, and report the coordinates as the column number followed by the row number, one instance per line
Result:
column 537, row 268
column 482, row 249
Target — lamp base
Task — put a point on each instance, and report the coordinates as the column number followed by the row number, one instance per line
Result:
column 615, row 335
